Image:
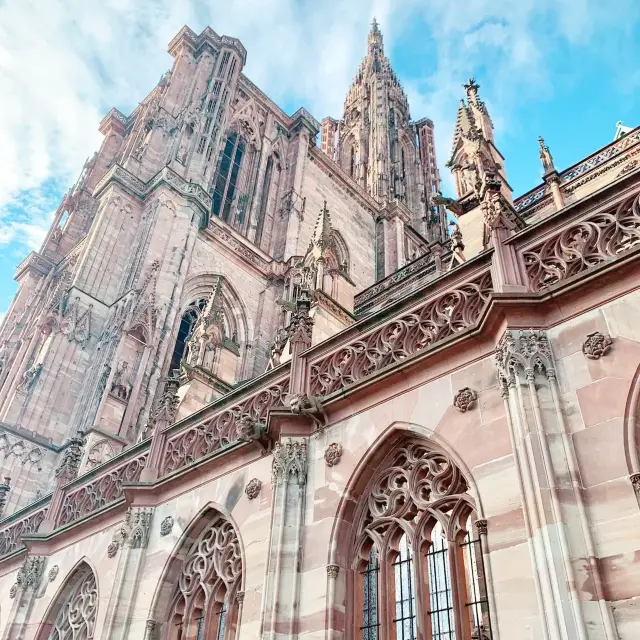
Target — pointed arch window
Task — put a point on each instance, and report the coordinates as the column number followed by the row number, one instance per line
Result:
column 187, row 324
column 226, row 181
column 204, row 604
column 418, row 562
column 73, row 614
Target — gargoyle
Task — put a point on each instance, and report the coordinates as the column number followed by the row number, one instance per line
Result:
column 449, row 203
column 250, row 430
column 304, row 405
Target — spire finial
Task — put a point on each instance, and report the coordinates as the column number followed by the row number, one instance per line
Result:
column 471, row 88
column 545, row 156
column 375, row 36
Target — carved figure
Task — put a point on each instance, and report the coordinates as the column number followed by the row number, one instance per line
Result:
column 304, row 405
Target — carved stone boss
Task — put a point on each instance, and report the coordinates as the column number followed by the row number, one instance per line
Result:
column 332, row 454
column 253, row 488
column 465, row 400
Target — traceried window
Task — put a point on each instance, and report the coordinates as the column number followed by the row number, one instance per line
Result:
column 418, row 562
column 226, row 181
column 203, row 603
column 75, row 612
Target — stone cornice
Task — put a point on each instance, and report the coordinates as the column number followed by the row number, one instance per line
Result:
column 190, row 190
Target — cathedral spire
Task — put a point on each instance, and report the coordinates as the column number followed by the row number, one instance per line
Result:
column 376, row 44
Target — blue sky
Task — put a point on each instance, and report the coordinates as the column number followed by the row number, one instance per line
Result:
column 564, row 69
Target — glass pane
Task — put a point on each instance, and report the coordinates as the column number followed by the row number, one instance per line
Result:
column 440, row 595
column 370, row 599
column 405, row 593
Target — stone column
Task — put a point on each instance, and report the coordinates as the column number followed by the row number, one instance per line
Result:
column 526, row 368
column 553, row 180
column 129, row 544
column 282, row 584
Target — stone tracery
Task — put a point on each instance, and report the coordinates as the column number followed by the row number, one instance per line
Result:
column 416, row 524
column 210, row 578
column 76, row 609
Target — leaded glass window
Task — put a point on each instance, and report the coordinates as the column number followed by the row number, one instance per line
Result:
column 370, row 622
column 227, row 177
column 440, row 594
column 405, row 620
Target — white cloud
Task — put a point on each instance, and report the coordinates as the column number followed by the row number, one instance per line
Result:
column 64, row 63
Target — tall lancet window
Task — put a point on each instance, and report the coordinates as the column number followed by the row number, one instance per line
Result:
column 417, row 568
column 405, row 591
column 370, row 623
column 441, row 612
column 226, row 180
column 187, row 324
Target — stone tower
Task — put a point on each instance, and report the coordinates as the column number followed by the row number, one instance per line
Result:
column 377, row 144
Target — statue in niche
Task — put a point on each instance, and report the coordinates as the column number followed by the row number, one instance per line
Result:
column 120, row 386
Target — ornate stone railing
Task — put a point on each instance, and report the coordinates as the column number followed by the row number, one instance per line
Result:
column 582, row 243
column 530, row 197
column 446, row 311
column 424, row 266
column 102, row 486
column 23, row 522
column 225, row 421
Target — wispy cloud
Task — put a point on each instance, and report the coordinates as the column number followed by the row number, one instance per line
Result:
column 64, row 63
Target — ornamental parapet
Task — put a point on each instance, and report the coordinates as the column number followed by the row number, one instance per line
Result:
column 580, row 238
column 21, row 523
column 404, row 330
column 236, row 417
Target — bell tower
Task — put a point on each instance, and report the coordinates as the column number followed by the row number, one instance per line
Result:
column 378, row 145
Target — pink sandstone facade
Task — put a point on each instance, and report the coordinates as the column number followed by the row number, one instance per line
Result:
column 255, row 384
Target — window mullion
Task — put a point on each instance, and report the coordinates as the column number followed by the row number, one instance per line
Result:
column 421, row 570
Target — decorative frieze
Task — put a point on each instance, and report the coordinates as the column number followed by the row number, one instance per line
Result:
column 289, row 462
column 465, row 400
column 253, row 488
column 596, row 345
column 332, row 454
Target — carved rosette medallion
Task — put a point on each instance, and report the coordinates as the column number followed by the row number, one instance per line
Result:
column 596, row 345
column 253, row 488
column 332, row 571
column 112, row 549
column 13, row 591
column 53, row 572
column 166, row 526
column 332, row 454
column 465, row 400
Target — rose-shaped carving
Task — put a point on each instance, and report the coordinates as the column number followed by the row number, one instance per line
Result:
column 253, row 488
column 333, row 454
column 465, row 400
column 166, row 526
column 596, row 345
column 112, row 549
column 53, row 572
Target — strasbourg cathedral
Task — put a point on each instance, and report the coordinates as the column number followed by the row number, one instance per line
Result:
column 263, row 381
